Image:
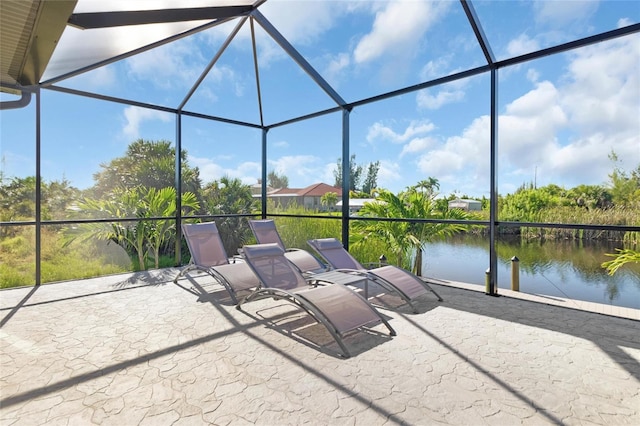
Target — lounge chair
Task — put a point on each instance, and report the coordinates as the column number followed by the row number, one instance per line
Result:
column 335, row 306
column 266, row 233
column 397, row 280
column 208, row 255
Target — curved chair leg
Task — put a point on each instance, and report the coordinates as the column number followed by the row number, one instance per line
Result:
column 311, row 310
column 431, row 289
column 216, row 276
column 184, row 271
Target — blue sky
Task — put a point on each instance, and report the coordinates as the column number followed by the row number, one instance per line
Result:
column 560, row 116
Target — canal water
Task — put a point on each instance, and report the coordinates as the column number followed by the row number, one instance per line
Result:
column 551, row 268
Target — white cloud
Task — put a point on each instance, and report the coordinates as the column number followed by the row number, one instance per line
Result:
column 604, row 82
column 445, row 94
column 336, row 65
column 207, row 92
column 417, row 145
column 560, row 133
column 577, row 162
column 135, row 116
column 530, row 124
column 223, row 74
column 302, row 22
column 557, row 21
column 535, row 101
column 460, row 161
column 533, row 75
column 388, row 173
column 435, row 69
column 298, row 168
column 182, row 64
column 172, row 65
column 380, row 131
column 521, row 45
column 441, row 162
column 527, row 132
column 212, row 169
column 425, row 99
column 624, row 22
column 326, row 173
column 397, row 27
column 557, row 14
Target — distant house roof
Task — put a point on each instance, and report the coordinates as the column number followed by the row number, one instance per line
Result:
column 284, row 191
column 315, row 190
column 318, row 190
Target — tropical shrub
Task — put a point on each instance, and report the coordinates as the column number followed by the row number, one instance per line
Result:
column 138, row 237
column 405, row 240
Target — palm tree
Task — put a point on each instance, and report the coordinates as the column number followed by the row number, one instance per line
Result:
column 136, row 237
column 429, row 185
column 406, row 238
column 329, row 199
column 162, row 203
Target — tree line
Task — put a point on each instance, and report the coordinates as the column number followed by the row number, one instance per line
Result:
column 141, row 184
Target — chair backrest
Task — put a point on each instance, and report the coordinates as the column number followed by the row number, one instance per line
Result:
column 273, row 269
column 266, row 232
column 332, row 251
column 205, row 244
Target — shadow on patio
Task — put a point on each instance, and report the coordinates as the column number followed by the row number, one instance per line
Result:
column 138, row 349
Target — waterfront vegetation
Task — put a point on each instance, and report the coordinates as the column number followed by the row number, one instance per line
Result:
column 139, row 186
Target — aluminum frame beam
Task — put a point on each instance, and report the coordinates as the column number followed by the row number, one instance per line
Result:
column 211, row 63
column 478, row 31
column 297, row 57
column 94, row 20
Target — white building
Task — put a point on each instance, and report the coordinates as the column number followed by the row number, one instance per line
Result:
column 355, row 204
column 468, row 205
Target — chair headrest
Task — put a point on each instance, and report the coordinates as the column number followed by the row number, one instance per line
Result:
column 326, row 243
column 262, row 224
column 193, row 229
column 254, row 251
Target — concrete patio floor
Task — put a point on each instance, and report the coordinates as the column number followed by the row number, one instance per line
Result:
column 137, row 349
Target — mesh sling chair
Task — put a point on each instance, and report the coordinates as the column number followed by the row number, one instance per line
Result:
column 338, row 308
column 266, row 233
column 397, row 280
column 208, row 255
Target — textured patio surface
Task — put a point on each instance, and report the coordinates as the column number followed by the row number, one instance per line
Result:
column 138, row 350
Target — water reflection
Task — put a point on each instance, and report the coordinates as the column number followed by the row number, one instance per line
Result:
column 563, row 268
